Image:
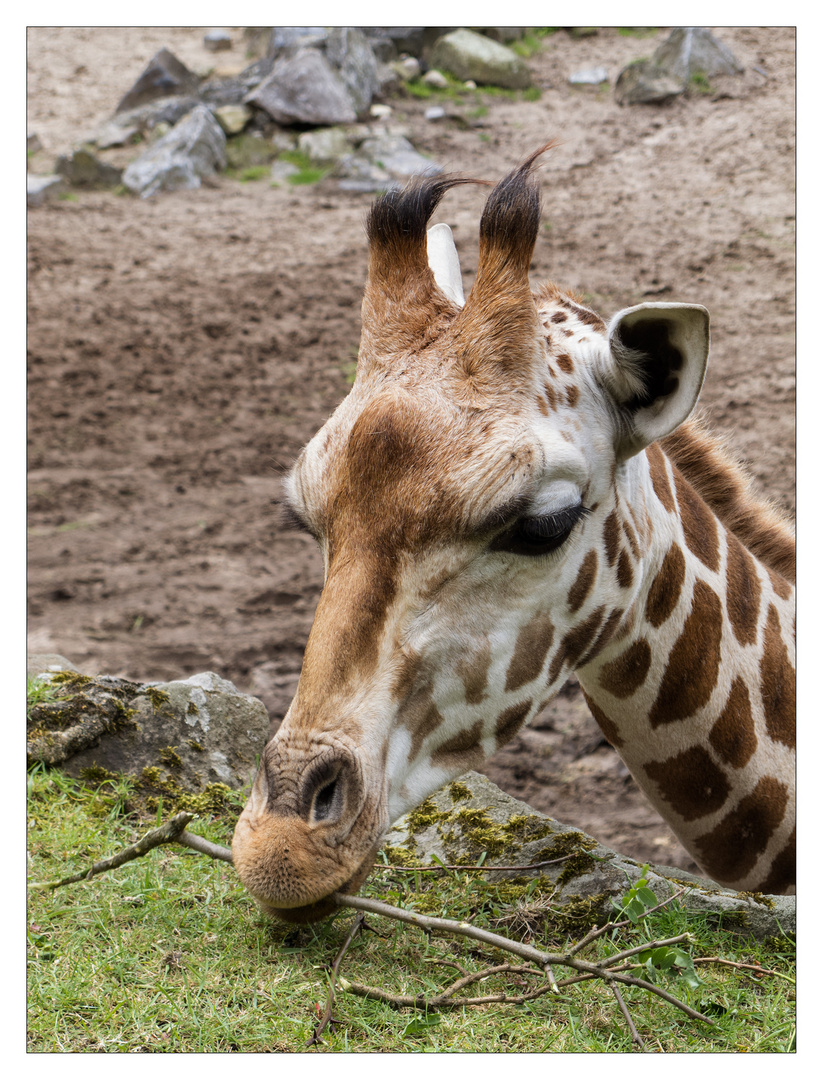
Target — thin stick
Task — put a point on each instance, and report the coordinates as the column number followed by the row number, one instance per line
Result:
column 204, row 846
column 635, row 1034
column 169, row 833
column 326, row 1019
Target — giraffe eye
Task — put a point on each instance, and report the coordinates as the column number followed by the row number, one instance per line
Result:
column 540, row 535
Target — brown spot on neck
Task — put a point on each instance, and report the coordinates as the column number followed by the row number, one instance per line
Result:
column 699, row 523
column 694, row 662
column 530, row 651
column 624, row 675
column 690, row 782
column 659, row 476
column 742, row 591
column 777, row 683
column 666, row 588
column 732, row 848
column 474, row 672
column 732, row 736
column 583, row 582
column 510, row 721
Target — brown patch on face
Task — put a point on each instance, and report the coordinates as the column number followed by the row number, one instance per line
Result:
column 572, row 395
column 611, row 537
column 583, row 582
column 421, row 716
column 780, row 585
column 543, row 406
column 732, row 735
column 783, row 872
column 474, row 671
column 742, row 591
column 559, row 317
column 630, row 536
column 659, row 476
column 699, row 523
column 625, row 675
column 605, row 635
column 694, row 662
column 530, row 651
column 550, row 394
column 777, row 683
column 565, row 362
column 576, row 642
column 690, row 782
column 461, row 751
column 625, row 575
column 509, row 722
column 584, row 315
column 730, row 850
column 666, row 587
column 607, row 726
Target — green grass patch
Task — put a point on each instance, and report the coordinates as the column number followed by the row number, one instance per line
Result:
column 170, row 954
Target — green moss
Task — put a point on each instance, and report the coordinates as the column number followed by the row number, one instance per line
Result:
column 171, row 758
column 71, row 680
column 192, row 710
column 157, row 697
column 154, row 789
column 195, row 745
column 458, row 791
column 397, row 855
column 759, row 898
column 96, row 774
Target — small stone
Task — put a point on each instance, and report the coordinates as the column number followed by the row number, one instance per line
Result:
column 41, row 188
column 436, row 112
column 324, row 145
column 282, row 170
column 380, row 112
column 470, row 84
column 217, row 40
column 436, row 79
column 589, row 77
column 407, row 67
column 644, row 83
column 233, row 118
column 467, row 55
column 81, row 168
column 164, row 76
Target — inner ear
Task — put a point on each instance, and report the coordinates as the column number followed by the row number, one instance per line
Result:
column 659, row 354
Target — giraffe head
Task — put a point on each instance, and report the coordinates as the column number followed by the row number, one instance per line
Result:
column 457, row 495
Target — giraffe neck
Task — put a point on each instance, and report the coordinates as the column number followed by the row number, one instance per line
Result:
column 696, row 691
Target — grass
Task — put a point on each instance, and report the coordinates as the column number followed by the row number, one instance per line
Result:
column 170, row 954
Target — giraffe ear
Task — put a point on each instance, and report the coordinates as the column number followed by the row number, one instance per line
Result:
column 659, row 354
column 444, row 262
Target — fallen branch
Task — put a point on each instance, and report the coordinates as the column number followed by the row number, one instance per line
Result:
column 327, row 1015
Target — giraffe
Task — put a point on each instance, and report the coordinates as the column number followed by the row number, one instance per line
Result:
column 515, row 490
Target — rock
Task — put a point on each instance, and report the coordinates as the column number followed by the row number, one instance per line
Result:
column 325, row 145
column 45, row 664
column 380, row 112
column 644, row 83
column 414, row 40
column 164, row 75
column 194, row 732
column 291, row 37
column 125, row 126
column 468, row 55
column 589, row 76
column 249, row 149
column 382, row 162
column 304, row 89
column 233, row 118
column 82, row 168
column 472, row 816
column 693, row 50
column 436, row 112
column 436, row 79
column 194, row 148
column 408, row 68
column 217, row 40
column 282, row 170
column 41, row 188
column 351, row 54
column 503, row 34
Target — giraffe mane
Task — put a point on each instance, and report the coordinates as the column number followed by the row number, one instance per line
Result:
column 710, row 466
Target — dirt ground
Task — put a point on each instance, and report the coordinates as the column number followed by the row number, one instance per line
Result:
column 182, row 349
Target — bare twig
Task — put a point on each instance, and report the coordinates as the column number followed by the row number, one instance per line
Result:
column 430, row 924
column 745, row 968
column 635, row 1034
column 204, row 846
column 169, row 833
column 326, row 1018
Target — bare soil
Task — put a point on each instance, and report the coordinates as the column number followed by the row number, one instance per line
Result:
column 182, row 349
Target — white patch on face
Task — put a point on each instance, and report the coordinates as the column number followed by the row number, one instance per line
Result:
column 558, row 495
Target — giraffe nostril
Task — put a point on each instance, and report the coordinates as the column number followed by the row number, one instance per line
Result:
column 324, row 793
column 327, row 801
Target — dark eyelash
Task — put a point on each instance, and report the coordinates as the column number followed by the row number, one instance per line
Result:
column 290, row 519
column 532, row 536
column 553, row 525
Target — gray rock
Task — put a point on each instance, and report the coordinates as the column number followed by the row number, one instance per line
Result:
column 198, row 731
column 45, row 664
column 383, row 162
column 282, row 170
column 468, row 55
column 233, row 118
column 194, row 148
column 436, row 79
column 325, row 145
column 415, row 40
column 164, row 75
column 39, row 189
column 471, row 816
column 408, row 68
column 644, row 83
column 305, row 89
column 692, row 50
column 290, row 37
column 589, row 77
column 82, row 168
column 348, row 50
column 217, row 40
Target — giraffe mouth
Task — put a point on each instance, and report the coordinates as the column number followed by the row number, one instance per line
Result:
column 325, row 906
